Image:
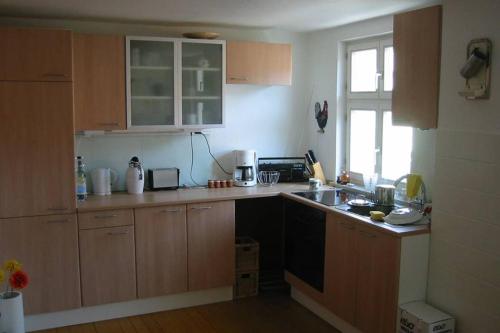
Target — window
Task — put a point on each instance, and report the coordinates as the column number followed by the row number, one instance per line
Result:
column 373, row 144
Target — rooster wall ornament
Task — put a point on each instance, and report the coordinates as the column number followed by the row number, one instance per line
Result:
column 321, row 115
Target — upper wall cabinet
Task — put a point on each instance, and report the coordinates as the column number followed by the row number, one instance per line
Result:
column 417, row 56
column 174, row 83
column 35, row 54
column 259, row 63
column 99, row 84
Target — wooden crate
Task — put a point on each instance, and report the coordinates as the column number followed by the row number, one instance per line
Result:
column 246, row 284
column 247, row 254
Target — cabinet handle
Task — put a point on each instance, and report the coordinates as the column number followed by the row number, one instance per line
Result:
column 58, row 221
column 347, row 225
column 53, row 75
column 105, row 216
column 177, row 210
column 367, row 234
column 200, row 208
column 57, row 208
column 117, row 233
column 109, row 124
column 244, row 78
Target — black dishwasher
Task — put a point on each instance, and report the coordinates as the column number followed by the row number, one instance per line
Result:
column 305, row 243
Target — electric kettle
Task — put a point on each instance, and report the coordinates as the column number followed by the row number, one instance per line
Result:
column 135, row 176
column 102, row 180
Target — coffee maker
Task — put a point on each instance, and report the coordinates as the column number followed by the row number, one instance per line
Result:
column 244, row 171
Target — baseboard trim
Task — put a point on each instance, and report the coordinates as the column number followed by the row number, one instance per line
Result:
column 322, row 312
column 125, row 309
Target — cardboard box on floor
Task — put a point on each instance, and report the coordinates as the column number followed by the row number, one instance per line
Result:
column 419, row 317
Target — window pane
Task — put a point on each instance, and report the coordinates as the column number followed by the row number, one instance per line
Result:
column 364, row 71
column 388, row 68
column 397, row 144
column 362, row 141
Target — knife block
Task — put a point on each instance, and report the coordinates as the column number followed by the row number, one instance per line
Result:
column 318, row 172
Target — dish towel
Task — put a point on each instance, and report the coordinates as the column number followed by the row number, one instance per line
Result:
column 413, row 185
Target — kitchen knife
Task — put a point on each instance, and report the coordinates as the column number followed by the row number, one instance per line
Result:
column 308, row 159
column 313, row 157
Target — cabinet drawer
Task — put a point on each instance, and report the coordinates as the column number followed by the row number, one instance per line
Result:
column 106, row 218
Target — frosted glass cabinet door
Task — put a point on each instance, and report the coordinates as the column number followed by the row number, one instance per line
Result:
column 151, row 82
column 202, row 84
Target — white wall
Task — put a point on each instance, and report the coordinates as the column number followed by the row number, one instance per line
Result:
column 327, row 79
column 465, row 247
column 265, row 118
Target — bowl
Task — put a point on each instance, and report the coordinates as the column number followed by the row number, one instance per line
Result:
column 268, row 178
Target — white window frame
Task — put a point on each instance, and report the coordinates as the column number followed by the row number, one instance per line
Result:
column 379, row 101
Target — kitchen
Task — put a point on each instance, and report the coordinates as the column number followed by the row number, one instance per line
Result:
column 279, row 120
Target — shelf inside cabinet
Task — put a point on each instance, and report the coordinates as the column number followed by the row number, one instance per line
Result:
column 152, row 68
column 152, row 97
column 205, row 69
column 201, row 97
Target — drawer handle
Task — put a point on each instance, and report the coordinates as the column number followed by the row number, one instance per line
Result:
column 53, row 75
column 170, row 210
column 238, row 78
column 109, row 124
column 105, row 216
column 117, row 233
column 201, row 208
column 367, row 234
column 58, row 221
column 57, row 208
column 347, row 225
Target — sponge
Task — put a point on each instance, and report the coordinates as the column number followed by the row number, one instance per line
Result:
column 376, row 215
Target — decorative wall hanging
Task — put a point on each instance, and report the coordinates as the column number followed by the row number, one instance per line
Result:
column 321, row 115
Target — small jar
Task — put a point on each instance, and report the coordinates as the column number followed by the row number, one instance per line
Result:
column 217, row 183
column 211, row 184
column 229, row 183
column 222, row 183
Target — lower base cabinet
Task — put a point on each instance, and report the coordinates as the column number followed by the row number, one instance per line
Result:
column 211, row 250
column 161, row 249
column 48, row 249
column 108, row 265
column 361, row 275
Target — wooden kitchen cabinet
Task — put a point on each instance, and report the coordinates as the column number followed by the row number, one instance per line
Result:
column 34, row 54
column 259, row 63
column 377, row 279
column 161, row 250
column 36, row 131
column 99, row 82
column 340, row 267
column 211, row 249
column 417, row 58
column 47, row 247
column 108, row 265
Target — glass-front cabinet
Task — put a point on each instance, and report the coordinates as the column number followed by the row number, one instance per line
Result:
column 175, row 83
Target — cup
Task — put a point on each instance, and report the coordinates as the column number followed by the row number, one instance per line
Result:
column 314, row 184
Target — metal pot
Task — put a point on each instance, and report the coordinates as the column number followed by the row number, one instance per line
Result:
column 384, row 195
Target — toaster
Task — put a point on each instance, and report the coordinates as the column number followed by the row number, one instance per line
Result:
column 163, row 179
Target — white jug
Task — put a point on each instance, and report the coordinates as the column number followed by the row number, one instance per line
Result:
column 135, row 177
column 102, row 180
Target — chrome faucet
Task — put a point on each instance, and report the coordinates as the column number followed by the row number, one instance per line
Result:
column 424, row 190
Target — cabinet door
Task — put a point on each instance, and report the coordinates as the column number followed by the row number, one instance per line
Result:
column 36, row 131
column 211, row 249
column 417, row 58
column 48, row 249
column 161, row 248
column 151, row 82
column 99, row 63
column 202, row 83
column 35, row 54
column 259, row 63
column 377, row 281
column 340, row 266
column 108, row 265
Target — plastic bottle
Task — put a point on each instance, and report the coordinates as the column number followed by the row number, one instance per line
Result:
column 81, row 179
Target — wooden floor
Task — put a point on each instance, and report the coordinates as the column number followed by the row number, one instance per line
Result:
column 274, row 314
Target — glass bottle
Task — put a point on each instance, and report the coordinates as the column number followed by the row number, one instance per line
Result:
column 81, row 179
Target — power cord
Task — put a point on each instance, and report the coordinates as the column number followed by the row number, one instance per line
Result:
column 192, row 162
column 210, row 152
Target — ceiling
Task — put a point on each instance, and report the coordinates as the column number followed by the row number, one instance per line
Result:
column 295, row 15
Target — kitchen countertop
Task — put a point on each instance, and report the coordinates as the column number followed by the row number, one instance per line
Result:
column 123, row 200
